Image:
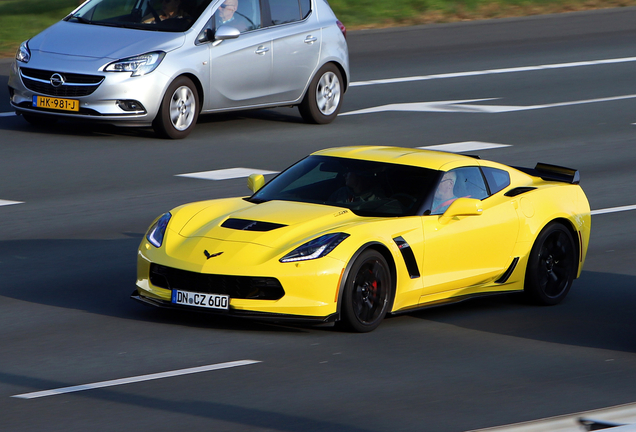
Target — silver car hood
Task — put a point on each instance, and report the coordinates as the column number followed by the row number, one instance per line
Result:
column 88, row 40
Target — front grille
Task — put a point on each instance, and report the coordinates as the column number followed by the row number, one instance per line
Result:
column 242, row 287
column 75, row 85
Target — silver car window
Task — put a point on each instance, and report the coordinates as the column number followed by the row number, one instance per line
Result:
column 245, row 15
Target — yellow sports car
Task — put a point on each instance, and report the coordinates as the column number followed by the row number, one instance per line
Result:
column 350, row 234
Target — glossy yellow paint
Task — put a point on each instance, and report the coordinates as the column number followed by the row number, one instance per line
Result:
column 462, row 252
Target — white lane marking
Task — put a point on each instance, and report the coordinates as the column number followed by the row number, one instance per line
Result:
column 135, row 379
column 7, row 114
column 226, row 174
column 464, row 146
column 492, row 71
column 462, row 107
column 613, row 210
column 6, row 202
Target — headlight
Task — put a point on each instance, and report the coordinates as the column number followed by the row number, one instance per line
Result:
column 24, row 54
column 158, row 230
column 138, row 65
column 315, row 248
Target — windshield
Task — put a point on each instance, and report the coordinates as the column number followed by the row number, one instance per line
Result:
column 366, row 188
column 157, row 15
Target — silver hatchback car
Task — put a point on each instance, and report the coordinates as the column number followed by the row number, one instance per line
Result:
column 163, row 62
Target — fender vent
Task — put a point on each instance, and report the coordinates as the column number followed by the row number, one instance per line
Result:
column 518, row 191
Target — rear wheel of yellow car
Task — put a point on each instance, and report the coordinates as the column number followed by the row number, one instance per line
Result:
column 551, row 265
column 367, row 293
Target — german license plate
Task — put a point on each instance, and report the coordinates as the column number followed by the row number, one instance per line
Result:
column 56, row 103
column 210, row 301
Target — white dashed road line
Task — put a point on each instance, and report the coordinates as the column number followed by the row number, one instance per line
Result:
column 135, row 379
column 225, row 174
column 7, row 114
column 464, row 146
column 493, row 71
column 6, row 202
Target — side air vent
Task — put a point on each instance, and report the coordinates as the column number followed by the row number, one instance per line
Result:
column 504, row 277
column 250, row 225
column 409, row 257
column 518, row 191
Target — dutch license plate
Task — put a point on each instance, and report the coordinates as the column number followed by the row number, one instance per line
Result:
column 210, row 301
column 56, row 103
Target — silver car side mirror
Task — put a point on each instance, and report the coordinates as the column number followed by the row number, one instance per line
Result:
column 225, row 32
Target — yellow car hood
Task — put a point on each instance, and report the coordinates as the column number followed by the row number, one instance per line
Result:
column 298, row 222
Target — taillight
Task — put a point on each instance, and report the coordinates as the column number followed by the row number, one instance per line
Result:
column 342, row 28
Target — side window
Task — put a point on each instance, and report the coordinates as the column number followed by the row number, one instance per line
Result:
column 305, row 8
column 497, row 179
column 284, row 11
column 458, row 183
column 245, row 15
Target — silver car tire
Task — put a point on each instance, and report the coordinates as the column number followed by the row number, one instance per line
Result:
column 323, row 99
column 179, row 110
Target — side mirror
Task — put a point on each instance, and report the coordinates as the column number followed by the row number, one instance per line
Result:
column 225, row 32
column 255, row 182
column 462, row 207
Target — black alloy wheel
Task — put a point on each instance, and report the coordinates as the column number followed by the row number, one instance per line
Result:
column 367, row 293
column 551, row 265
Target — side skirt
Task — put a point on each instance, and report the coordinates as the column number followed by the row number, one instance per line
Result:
column 451, row 300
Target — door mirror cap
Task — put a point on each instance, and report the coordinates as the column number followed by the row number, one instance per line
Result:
column 255, row 182
column 462, row 207
column 226, row 32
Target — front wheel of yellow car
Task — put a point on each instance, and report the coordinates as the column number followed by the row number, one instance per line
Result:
column 551, row 266
column 367, row 293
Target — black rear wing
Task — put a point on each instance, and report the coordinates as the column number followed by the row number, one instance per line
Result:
column 553, row 173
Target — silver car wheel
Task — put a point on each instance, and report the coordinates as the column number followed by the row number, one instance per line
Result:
column 182, row 108
column 328, row 93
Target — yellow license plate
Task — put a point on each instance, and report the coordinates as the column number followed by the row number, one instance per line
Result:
column 56, row 103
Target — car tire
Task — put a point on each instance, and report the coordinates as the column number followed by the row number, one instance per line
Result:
column 323, row 99
column 179, row 110
column 551, row 266
column 367, row 293
column 39, row 120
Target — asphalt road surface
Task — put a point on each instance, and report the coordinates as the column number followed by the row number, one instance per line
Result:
column 77, row 199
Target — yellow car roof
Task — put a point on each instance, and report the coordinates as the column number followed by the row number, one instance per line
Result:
column 398, row 155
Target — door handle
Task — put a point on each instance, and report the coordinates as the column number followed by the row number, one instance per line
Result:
column 310, row 39
column 261, row 50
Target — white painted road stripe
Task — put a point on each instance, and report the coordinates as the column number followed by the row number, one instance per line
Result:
column 135, row 379
column 465, row 146
column 462, row 106
column 6, row 202
column 614, row 210
column 226, row 174
column 7, row 114
column 493, row 71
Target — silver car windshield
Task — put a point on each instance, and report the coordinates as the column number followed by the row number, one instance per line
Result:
column 366, row 188
column 153, row 15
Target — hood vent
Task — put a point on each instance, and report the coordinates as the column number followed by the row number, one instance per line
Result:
column 251, row 225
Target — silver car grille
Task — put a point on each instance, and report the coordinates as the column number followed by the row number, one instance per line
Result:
column 59, row 84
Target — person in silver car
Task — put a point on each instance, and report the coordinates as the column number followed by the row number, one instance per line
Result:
column 139, row 63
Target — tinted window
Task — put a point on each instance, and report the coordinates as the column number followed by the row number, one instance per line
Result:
column 244, row 15
column 284, row 11
column 497, row 179
column 305, row 7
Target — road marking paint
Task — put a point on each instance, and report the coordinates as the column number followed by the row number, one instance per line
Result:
column 613, row 210
column 464, row 146
column 7, row 114
column 462, row 107
column 492, row 71
column 225, row 174
column 136, row 379
column 6, row 202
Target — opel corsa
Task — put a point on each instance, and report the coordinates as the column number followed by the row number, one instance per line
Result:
column 162, row 63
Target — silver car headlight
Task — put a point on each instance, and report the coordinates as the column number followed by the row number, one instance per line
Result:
column 157, row 230
column 315, row 248
column 138, row 65
column 23, row 54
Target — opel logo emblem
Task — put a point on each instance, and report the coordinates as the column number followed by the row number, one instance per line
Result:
column 57, row 80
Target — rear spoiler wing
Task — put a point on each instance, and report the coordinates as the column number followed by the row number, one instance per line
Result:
column 553, row 173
